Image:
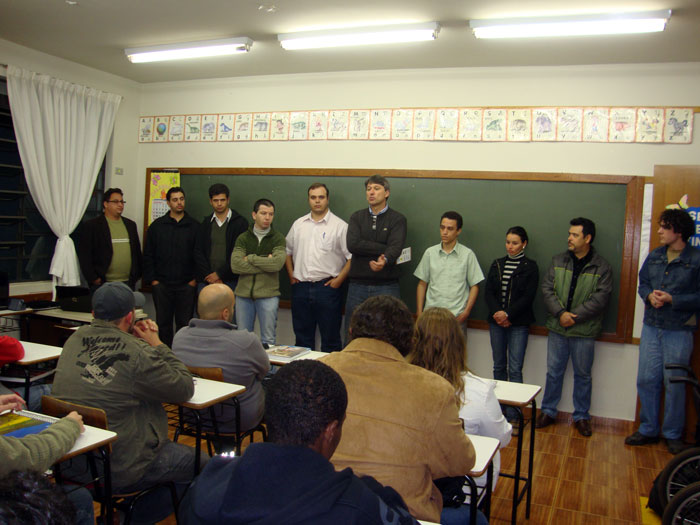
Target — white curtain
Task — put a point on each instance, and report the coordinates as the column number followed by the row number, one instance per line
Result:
column 62, row 131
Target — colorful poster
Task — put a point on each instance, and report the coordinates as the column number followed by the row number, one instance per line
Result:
column 359, row 124
column 279, row 126
column 209, row 127
column 146, row 129
column 318, row 125
column 519, row 125
column 447, row 124
column 423, row 124
column 402, row 124
column 161, row 128
column 650, row 124
column 622, row 125
column 338, row 125
column 243, row 126
column 678, row 127
column 470, row 123
column 225, row 128
column 193, row 127
column 177, row 128
column 494, row 125
column 570, row 124
column 261, row 126
column 380, row 124
column 544, row 124
column 595, row 124
column 299, row 125
column 161, row 182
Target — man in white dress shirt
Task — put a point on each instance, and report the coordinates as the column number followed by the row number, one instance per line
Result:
column 318, row 261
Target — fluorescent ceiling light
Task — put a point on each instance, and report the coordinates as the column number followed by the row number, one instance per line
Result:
column 208, row 48
column 360, row 36
column 577, row 25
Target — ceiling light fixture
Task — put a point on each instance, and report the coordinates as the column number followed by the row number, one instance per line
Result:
column 360, row 36
column 577, row 25
column 208, row 48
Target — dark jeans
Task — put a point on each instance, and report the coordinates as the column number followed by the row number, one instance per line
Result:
column 357, row 293
column 173, row 301
column 312, row 304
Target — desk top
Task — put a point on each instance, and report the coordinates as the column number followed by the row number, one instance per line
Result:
column 309, row 355
column 4, row 313
column 58, row 313
column 516, row 394
column 208, row 393
column 38, row 353
column 485, row 448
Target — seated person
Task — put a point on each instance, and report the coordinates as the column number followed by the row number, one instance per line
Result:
column 212, row 341
column 402, row 425
column 36, row 453
column 122, row 367
column 30, row 498
column 11, row 350
column 439, row 346
column 289, row 478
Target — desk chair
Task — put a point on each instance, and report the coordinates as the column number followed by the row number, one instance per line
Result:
column 212, row 433
column 96, row 417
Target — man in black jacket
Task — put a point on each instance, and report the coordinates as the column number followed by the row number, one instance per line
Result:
column 168, row 265
column 109, row 248
column 216, row 238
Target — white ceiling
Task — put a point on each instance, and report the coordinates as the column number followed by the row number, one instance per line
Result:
column 95, row 33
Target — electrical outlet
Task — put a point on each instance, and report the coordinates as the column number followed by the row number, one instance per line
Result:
column 119, row 171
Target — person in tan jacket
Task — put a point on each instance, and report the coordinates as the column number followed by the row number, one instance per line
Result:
column 402, row 426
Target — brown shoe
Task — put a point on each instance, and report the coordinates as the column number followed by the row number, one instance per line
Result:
column 584, row 427
column 544, row 420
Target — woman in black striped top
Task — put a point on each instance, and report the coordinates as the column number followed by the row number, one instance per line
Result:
column 510, row 291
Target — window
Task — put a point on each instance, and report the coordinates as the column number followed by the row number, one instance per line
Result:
column 26, row 241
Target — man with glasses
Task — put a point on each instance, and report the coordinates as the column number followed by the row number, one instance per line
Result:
column 109, row 249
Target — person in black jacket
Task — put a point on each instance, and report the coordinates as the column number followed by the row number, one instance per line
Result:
column 109, row 247
column 168, row 265
column 215, row 240
column 510, row 291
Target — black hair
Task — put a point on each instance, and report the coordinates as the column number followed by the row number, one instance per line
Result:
column 453, row 216
column 520, row 232
column 108, row 193
column 263, row 202
column 174, row 189
column 317, row 185
column 218, row 189
column 378, row 179
column 28, row 497
column 679, row 221
column 385, row 318
column 301, row 400
column 587, row 224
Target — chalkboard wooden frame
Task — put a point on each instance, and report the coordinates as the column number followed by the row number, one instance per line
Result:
column 632, row 218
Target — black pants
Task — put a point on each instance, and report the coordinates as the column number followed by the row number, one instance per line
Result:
column 173, row 301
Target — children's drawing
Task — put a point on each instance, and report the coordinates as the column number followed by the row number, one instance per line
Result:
column 359, row 124
column 519, row 125
column 570, row 124
column 402, row 124
column 423, row 124
column 146, row 129
column 380, row 124
column 494, row 125
column 318, row 127
column 678, row 127
column 161, row 134
column 261, row 126
column 280, row 126
column 177, row 128
column 447, row 124
column 595, row 124
column 650, row 122
column 544, row 127
column 470, row 124
column 242, row 129
column 622, row 124
column 299, row 125
column 193, row 126
column 338, row 125
column 225, row 128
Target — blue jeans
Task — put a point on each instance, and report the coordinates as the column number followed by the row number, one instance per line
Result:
column 508, row 348
column 312, row 304
column 460, row 516
column 581, row 350
column 357, row 293
column 266, row 310
column 659, row 347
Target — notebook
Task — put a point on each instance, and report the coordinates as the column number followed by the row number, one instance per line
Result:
column 23, row 423
column 287, row 353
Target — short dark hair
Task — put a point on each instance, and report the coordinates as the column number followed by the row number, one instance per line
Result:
column 174, row 189
column 316, row 185
column 453, row 216
column 28, row 497
column 301, row 400
column 108, row 193
column 587, row 224
column 263, row 202
column 385, row 318
column 378, row 179
column 218, row 189
column 679, row 221
column 520, row 232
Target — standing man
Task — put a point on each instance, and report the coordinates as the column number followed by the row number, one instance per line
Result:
column 168, row 265
column 215, row 240
column 576, row 291
column 669, row 284
column 258, row 257
column 110, row 250
column 376, row 238
column 318, row 261
column 449, row 274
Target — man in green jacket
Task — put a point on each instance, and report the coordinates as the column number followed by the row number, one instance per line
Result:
column 576, row 291
column 258, row 257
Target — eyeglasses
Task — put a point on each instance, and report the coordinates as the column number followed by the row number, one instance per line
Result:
column 117, row 202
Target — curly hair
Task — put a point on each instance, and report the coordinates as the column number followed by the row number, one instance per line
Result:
column 385, row 318
column 439, row 346
column 679, row 221
column 28, row 497
column 301, row 400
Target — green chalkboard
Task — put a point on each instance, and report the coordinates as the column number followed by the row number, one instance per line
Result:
column 489, row 208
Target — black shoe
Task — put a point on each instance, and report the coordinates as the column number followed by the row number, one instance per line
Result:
column 584, row 427
column 544, row 420
column 675, row 445
column 637, row 439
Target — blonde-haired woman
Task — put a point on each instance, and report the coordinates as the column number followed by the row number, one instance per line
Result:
column 439, row 346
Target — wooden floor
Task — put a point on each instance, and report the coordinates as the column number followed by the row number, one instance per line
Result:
column 578, row 481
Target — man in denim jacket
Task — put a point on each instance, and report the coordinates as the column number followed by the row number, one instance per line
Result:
column 669, row 284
